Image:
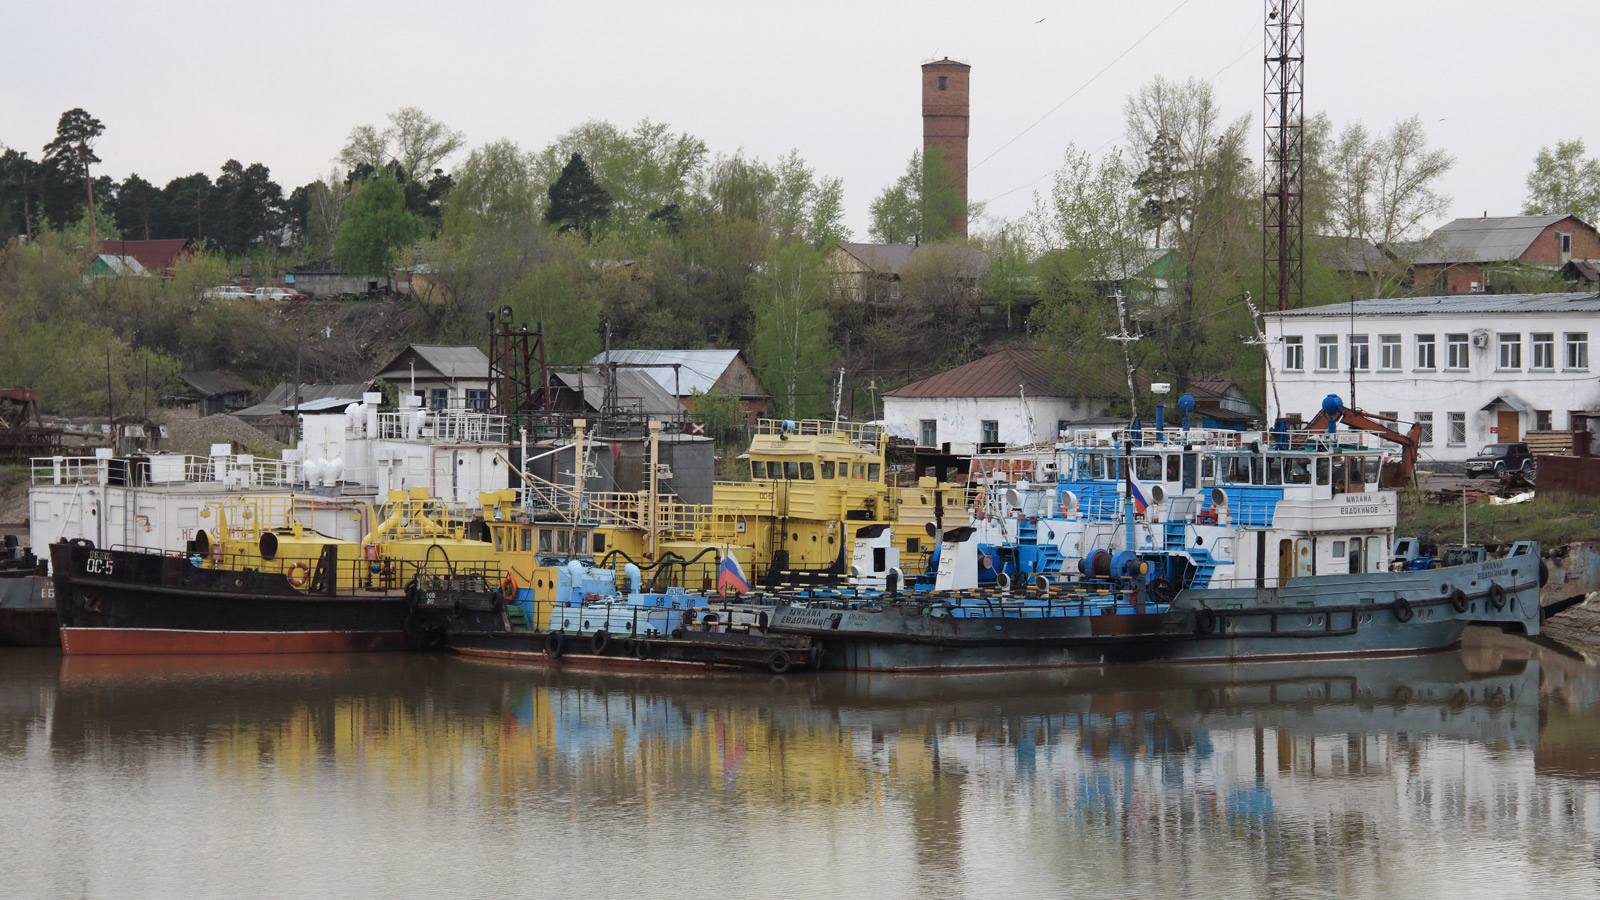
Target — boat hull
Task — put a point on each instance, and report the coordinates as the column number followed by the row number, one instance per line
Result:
column 120, row 602
column 28, row 612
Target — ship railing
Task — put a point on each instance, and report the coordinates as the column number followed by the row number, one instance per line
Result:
column 1200, row 438
column 444, row 426
column 623, row 509
column 856, row 432
column 1069, row 600
column 239, row 470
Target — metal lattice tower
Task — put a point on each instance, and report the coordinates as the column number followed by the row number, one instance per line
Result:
column 1283, row 118
column 518, row 377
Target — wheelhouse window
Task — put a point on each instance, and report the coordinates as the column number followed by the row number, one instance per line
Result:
column 758, row 469
column 808, row 471
column 1294, row 354
column 1544, row 350
column 1328, row 352
column 1456, row 352
column 1390, row 356
column 827, row 470
column 1425, row 358
column 1510, row 345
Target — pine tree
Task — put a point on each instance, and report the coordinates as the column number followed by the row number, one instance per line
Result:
column 577, row 202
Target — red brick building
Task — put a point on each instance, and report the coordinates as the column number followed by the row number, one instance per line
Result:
column 945, row 121
column 1461, row 257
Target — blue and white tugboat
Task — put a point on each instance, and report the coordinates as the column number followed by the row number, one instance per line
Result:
column 1182, row 546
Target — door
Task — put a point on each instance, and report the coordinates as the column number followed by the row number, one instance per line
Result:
column 1305, row 561
column 1510, row 421
column 1285, row 560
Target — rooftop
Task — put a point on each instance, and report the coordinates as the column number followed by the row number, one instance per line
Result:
column 1497, row 239
column 1004, row 374
column 697, row 370
column 448, row 362
column 1586, row 302
column 889, row 259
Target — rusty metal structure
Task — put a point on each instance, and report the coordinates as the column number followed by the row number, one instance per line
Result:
column 519, row 382
column 1283, row 120
column 23, row 434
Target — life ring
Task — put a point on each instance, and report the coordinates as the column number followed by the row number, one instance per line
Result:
column 1403, row 610
column 508, row 588
column 641, row 649
column 599, row 641
column 552, row 645
column 1066, row 507
column 1497, row 596
column 1205, row 621
column 778, row 662
column 298, row 574
column 1458, row 600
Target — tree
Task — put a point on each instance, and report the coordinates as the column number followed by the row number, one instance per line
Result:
column 649, row 172
column 192, row 206
column 19, row 201
column 414, row 141
column 577, row 203
column 376, row 226
column 790, row 347
column 1564, row 182
column 923, row 205
column 73, row 150
column 139, row 205
column 1382, row 191
column 252, row 206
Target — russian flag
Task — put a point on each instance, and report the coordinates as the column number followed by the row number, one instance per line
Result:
column 1139, row 503
column 731, row 576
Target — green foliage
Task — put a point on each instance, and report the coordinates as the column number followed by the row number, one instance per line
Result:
column 922, row 206
column 72, row 152
column 790, row 348
column 577, row 203
column 376, row 226
column 549, row 295
column 648, row 172
column 724, row 417
column 1564, row 182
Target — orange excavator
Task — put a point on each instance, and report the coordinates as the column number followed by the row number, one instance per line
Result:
column 1396, row 473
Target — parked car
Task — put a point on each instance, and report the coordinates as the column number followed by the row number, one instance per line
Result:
column 227, row 292
column 1498, row 459
column 278, row 293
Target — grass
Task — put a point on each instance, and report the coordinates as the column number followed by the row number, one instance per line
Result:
column 1551, row 520
column 15, row 473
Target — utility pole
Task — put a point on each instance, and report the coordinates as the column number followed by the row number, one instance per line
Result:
column 1283, row 182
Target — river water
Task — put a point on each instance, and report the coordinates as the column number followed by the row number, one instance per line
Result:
column 1462, row 775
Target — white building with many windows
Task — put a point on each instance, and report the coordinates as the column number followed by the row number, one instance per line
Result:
column 1472, row 369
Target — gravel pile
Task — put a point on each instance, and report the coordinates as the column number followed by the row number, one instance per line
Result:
column 195, row 437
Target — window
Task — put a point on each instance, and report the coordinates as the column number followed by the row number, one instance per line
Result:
column 478, row 399
column 791, row 470
column 1510, row 350
column 1458, row 429
column 1577, row 349
column 873, row 470
column 1061, row 427
column 1566, row 244
column 1541, row 420
column 1147, row 468
column 991, row 431
column 758, row 469
column 439, row 398
column 1456, row 352
column 1390, row 358
column 1544, row 350
column 930, row 433
column 894, row 290
column 1425, row 433
column 1338, row 549
column 827, row 470
column 1394, row 418
column 944, row 82
column 808, row 472
column 1294, row 354
column 1328, row 352
column 1359, row 360
column 1425, row 351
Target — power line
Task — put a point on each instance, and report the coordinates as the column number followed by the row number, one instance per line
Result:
column 1082, row 87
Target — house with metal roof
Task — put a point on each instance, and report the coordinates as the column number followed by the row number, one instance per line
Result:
column 1011, row 397
column 214, row 391
column 1464, row 256
column 159, row 257
column 872, row 272
column 1470, row 369
column 682, row 373
column 443, row 377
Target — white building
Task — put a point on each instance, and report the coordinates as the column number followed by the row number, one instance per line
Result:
column 1471, row 369
column 1009, row 397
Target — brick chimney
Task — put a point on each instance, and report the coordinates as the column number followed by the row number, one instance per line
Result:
column 945, row 116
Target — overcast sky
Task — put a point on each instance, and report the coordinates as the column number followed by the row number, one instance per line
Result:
column 184, row 86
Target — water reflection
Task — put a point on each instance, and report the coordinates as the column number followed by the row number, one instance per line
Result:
column 1474, row 771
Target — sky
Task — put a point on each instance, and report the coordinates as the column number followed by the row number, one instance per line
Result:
column 185, row 86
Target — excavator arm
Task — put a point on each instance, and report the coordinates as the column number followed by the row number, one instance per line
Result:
column 1373, row 423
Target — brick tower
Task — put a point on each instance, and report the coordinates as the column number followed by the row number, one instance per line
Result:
column 944, row 121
